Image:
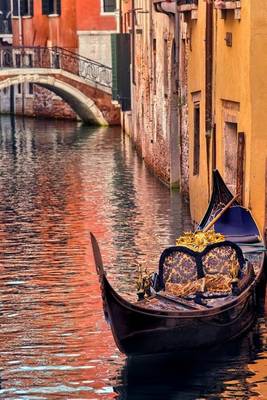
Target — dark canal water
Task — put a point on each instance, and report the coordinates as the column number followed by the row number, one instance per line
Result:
column 58, row 182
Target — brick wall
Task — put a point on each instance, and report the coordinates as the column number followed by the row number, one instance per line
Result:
column 43, row 103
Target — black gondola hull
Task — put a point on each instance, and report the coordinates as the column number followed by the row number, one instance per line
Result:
column 137, row 331
column 140, row 329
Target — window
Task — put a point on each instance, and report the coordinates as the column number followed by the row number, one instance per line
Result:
column 109, row 6
column 196, row 138
column 18, row 60
column 51, row 7
column 30, row 88
column 23, row 8
column 19, row 90
column 29, row 61
column 230, row 155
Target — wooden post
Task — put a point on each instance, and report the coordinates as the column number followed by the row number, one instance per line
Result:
column 240, row 166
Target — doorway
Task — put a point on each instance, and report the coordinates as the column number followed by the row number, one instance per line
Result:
column 230, row 156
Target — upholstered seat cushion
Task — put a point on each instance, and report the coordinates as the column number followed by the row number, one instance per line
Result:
column 179, row 267
column 181, row 270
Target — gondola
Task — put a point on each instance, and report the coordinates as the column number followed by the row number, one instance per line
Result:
column 175, row 316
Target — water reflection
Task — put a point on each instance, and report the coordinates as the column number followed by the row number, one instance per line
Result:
column 58, row 182
column 224, row 373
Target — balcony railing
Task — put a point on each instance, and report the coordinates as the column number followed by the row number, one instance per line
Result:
column 55, row 58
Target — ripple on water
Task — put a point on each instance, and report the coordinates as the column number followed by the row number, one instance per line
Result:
column 58, row 182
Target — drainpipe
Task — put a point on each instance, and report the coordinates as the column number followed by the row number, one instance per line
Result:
column 208, row 83
column 133, row 42
column 20, row 23
column 120, row 20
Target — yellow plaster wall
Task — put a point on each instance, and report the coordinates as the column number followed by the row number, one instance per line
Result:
column 239, row 75
column 232, row 81
column 198, row 186
column 258, row 77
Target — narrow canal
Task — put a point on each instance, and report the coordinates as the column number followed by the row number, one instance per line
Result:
column 58, row 182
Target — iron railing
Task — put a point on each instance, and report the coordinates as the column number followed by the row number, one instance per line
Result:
column 55, row 58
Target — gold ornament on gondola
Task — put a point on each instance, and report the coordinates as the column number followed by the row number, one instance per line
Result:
column 198, row 241
column 143, row 282
column 234, row 268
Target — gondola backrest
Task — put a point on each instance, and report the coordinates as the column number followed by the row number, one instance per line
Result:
column 180, row 264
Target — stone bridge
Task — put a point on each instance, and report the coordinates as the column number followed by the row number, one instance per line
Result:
column 84, row 84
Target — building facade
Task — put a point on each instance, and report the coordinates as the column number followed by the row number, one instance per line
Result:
column 199, row 95
column 157, row 121
column 76, row 26
column 227, row 103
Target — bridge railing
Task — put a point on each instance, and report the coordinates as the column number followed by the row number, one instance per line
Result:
column 55, row 58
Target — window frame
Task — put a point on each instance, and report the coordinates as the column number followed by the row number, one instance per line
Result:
column 51, row 7
column 103, row 12
column 30, row 6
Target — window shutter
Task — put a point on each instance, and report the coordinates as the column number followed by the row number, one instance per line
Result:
column 15, row 8
column 121, row 61
column 114, row 58
column 45, row 7
column 124, row 62
column 59, row 7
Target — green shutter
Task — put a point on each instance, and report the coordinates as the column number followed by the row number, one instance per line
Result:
column 45, row 7
column 121, row 61
column 114, row 59
column 124, row 71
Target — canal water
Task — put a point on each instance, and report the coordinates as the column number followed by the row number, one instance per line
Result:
column 58, row 182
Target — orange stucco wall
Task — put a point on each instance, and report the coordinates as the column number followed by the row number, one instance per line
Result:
column 79, row 15
column 43, row 30
column 89, row 17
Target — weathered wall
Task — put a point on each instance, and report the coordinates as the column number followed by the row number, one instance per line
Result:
column 152, row 90
column 43, row 30
column 96, row 46
column 239, row 103
column 43, row 103
column 90, row 17
column 196, row 93
column 94, row 28
column 258, row 84
column 82, row 27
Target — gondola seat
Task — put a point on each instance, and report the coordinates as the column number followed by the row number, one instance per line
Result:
column 183, row 271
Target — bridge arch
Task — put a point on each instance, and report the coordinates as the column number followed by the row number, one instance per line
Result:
column 81, row 103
